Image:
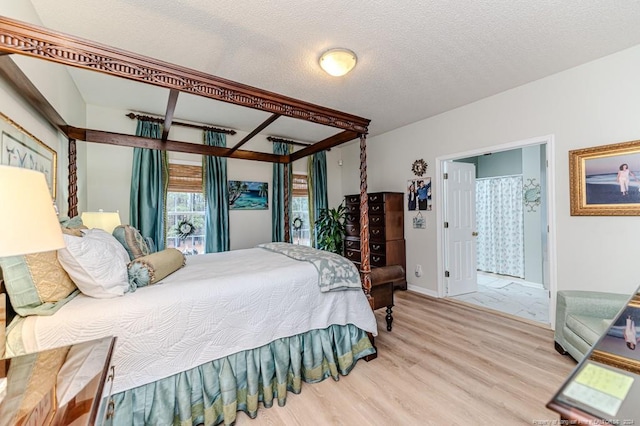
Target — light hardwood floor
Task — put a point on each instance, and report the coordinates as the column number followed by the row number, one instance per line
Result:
column 443, row 364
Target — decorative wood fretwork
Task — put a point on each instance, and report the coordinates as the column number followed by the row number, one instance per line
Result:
column 365, row 265
column 31, row 40
column 73, row 180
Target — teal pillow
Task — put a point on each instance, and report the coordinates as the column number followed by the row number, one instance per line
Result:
column 74, row 222
column 132, row 240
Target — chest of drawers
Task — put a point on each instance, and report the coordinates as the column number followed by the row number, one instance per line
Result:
column 386, row 230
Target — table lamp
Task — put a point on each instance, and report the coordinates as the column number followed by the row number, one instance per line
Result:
column 28, row 218
column 101, row 219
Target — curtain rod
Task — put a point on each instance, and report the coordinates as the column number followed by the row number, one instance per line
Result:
column 281, row 140
column 132, row 116
column 290, row 142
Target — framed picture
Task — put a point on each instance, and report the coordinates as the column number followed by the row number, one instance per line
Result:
column 618, row 347
column 605, row 180
column 19, row 148
column 419, row 194
column 246, row 195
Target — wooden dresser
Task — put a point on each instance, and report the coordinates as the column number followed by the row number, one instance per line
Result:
column 386, row 230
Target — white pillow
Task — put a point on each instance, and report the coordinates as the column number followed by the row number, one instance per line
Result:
column 96, row 262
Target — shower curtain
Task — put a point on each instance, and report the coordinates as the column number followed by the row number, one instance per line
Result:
column 500, row 223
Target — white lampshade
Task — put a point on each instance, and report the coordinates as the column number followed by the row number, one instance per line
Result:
column 29, row 221
column 338, row 62
column 102, row 220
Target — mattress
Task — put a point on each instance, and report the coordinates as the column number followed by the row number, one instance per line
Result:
column 217, row 305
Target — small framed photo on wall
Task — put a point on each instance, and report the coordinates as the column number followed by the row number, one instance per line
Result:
column 419, row 194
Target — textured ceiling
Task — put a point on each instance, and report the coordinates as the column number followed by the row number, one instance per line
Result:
column 416, row 58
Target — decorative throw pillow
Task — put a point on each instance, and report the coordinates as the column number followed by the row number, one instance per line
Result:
column 151, row 245
column 36, row 283
column 97, row 263
column 132, row 241
column 73, row 226
column 73, row 223
column 150, row 269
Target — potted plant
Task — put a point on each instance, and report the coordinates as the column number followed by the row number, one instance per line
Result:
column 330, row 229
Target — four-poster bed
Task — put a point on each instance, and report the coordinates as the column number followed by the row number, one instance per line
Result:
column 32, row 41
column 25, row 39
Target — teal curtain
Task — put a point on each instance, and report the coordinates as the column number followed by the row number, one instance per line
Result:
column 277, row 205
column 317, row 187
column 149, row 179
column 216, row 193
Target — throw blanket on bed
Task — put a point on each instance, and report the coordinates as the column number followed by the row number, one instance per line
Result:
column 334, row 271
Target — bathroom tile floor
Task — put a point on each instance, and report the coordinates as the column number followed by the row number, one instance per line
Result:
column 510, row 295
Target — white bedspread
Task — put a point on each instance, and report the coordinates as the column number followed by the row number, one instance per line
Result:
column 217, row 305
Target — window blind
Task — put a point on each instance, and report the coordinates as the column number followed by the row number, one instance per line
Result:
column 299, row 186
column 184, row 178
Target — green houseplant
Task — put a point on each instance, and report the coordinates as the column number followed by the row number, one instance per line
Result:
column 330, row 229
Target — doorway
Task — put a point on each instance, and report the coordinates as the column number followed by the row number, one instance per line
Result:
column 536, row 283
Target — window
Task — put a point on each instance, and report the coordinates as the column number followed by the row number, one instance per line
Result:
column 300, row 230
column 185, row 205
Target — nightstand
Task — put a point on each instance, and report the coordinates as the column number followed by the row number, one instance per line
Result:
column 56, row 387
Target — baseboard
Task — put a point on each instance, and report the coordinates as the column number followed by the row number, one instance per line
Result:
column 422, row 290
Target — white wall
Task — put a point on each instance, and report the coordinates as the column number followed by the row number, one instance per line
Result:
column 504, row 163
column 56, row 85
column 109, row 174
column 590, row 105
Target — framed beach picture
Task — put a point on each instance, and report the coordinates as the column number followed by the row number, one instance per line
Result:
column 605, row 180
column 618, row 347
column 246, row 195
column 19, row 148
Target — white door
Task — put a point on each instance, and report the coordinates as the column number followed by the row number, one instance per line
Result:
column 460, row 228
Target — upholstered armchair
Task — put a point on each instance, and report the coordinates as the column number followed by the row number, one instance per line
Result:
column 582, row 317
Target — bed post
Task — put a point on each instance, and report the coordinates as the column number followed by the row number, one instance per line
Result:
column 73, row 180
column 287, row 236
column 3, row 325
column 364, row 221
column 365, row 266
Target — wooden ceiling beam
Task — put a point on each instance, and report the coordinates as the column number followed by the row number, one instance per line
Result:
column 255, row 131
column 110, row 138
column 168, row 117
column 34, row 41
column 324, row 144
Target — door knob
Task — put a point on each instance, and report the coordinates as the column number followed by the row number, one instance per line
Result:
column 475, row 234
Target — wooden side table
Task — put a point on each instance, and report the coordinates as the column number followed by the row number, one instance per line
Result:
column 56, row 387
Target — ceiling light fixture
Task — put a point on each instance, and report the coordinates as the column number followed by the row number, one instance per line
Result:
column 338, row 62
